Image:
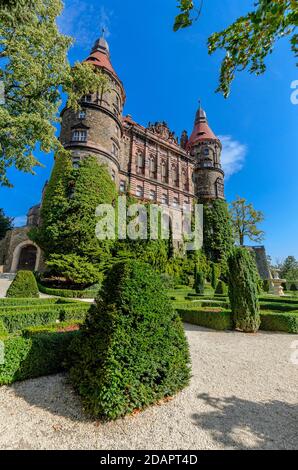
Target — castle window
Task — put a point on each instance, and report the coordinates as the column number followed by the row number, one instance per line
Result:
column 140, row 164
column 113, row 174
column 175, row 175
column 87, row 98
column 164, row 199
column 219, row 187
column 75, row 162
column 185, row 180
column 122, row 186
column 164, row 172
column 139, row 191
column 117, row 131
column 115, row 150
column 175, row 202
column 82, row 114
column 79, row 136
column 152, row 167
column 152, row 195
column 206, row 151
column 207, row 164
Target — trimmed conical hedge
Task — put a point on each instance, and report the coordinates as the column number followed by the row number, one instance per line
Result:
column 24, row 285
column 221, row 288
column 132, row 351
column 243, row 291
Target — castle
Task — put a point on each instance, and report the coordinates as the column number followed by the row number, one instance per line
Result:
column 149, row 162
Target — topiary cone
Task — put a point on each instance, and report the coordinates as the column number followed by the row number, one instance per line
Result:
column 132, row 351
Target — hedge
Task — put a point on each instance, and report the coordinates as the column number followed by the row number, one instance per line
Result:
column 23, row 302
column 278, row 306
column 287, row 322
column 15, row 321
column 78, row 294
column 215, row 320
column 40, row 354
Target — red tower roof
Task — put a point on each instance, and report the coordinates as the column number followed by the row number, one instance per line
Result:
column 201, row 131
column 100, row 56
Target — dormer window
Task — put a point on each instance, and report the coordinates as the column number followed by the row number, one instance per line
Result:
column 79, row 135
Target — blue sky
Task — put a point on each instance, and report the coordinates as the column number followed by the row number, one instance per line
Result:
column 165, row 74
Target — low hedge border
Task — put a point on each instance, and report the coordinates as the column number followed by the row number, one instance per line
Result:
column 15, row 321
column 278, row 306
column 270, row 321
column 11, row 302
column 42, row 353
column 77, row 294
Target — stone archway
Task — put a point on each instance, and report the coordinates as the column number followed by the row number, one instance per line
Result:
column 26, row 256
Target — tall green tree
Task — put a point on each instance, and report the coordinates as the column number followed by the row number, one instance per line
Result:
column 289, row 269
column 68, row 221
column 245, row 221
column 34, row 70
column 218, row 232
column 6, row 223
column 250, row 39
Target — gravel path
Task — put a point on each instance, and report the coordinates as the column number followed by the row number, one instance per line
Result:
column 243, row 395
column 4, row 285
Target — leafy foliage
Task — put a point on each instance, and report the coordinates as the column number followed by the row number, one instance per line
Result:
column 289, row 269
column 243, row 291
column 24, row 285
column 245, row 220
column 221, row 288
column 67, row 232
column 199, row 284
column 132, row 351
column 218, row 235
column 250, row 39
column 6, row 223
column 34, row 70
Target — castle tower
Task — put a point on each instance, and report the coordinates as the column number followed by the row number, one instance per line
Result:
column 97, row 128
column 205, row 148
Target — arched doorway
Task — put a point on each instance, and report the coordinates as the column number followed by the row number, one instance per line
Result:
column 27, row 258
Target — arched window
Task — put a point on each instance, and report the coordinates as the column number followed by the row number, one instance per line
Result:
column 152, row 167
column 122, row 186
column 206, row 151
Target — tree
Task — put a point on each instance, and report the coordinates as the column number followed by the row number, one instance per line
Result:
column 218, row 233
column 289, row 269
column 68, row 218
column 34, row 70
column 5, row 224
column 250, row 39
column 199, row 283
column 132, row 351
column 243, row 291
column 245, row 220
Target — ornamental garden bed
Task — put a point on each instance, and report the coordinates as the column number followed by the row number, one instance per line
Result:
column 35, row 336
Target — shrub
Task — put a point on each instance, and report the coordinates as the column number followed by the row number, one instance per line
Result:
column 3, row 330
column 287, row 322
column 266, row 285
column 68, row 293
column 24, row 285
column 14, row 320
column 132, row 351
column 293, row 287
column 199, row 285
column 220, row 320
column 74, row 268
column 221, row 288
column 243, row 291
column 215, row 273
column 43, row 353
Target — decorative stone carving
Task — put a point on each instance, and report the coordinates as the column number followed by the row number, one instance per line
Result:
column 162, row 130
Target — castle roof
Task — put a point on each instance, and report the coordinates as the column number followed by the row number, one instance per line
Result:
column 100, row 56
column 201, row 131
